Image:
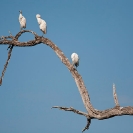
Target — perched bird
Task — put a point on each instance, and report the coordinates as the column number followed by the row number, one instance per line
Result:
column 22, row 21
column 75, row 59
column 42, row 23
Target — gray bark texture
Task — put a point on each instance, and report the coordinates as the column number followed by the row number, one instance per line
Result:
column 91, row 113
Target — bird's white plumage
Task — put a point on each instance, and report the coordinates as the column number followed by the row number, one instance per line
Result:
column 39, row 20
column 42, row 23
column 38, row 16
column 75, row 59
column 22, row 21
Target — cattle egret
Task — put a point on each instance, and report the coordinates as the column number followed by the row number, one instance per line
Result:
column 42, row 24
column 22, row 21
column 75, row 59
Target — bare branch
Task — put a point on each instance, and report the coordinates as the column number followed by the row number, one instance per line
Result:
column 77, row 112
column 105, row 114
column 88, row 124
column 60, row 54
column 72, row 110
column 115, row 95
column 116, row 111
column 91, row 112
column 23, row 31
column 5, row 66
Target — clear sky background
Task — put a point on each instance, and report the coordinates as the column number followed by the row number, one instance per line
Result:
column 100, row 31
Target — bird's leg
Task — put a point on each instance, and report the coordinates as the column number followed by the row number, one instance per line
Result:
column 73, row 66
column 42, row 34
column 21, row 28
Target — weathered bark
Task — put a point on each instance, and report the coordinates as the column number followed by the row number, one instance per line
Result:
column 115, row 96
column 91, row 112
column 5, row 66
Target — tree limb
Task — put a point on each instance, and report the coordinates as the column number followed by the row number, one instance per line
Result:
column 5, row 66
column 77, row 112
column 115, row 96
column 87, row 125
column 72, row 110
column 91, row 112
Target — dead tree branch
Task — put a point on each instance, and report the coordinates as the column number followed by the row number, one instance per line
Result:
column 91, row 112
column 72, row 110
column 5, row 66
column 77, row 112
column 115, row 96
column 87, row 125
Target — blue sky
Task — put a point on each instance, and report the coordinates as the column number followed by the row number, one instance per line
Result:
column 100, row 31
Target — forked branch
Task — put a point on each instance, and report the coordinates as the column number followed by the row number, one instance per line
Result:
column 91, row 112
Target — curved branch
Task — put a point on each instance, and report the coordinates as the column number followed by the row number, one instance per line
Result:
column 91, row 112
column 60, row 54
column 23, row 31
column 116, row 111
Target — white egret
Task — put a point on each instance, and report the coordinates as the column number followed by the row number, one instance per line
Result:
column 22, row 21
column 75, row 59
column 42, row 24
